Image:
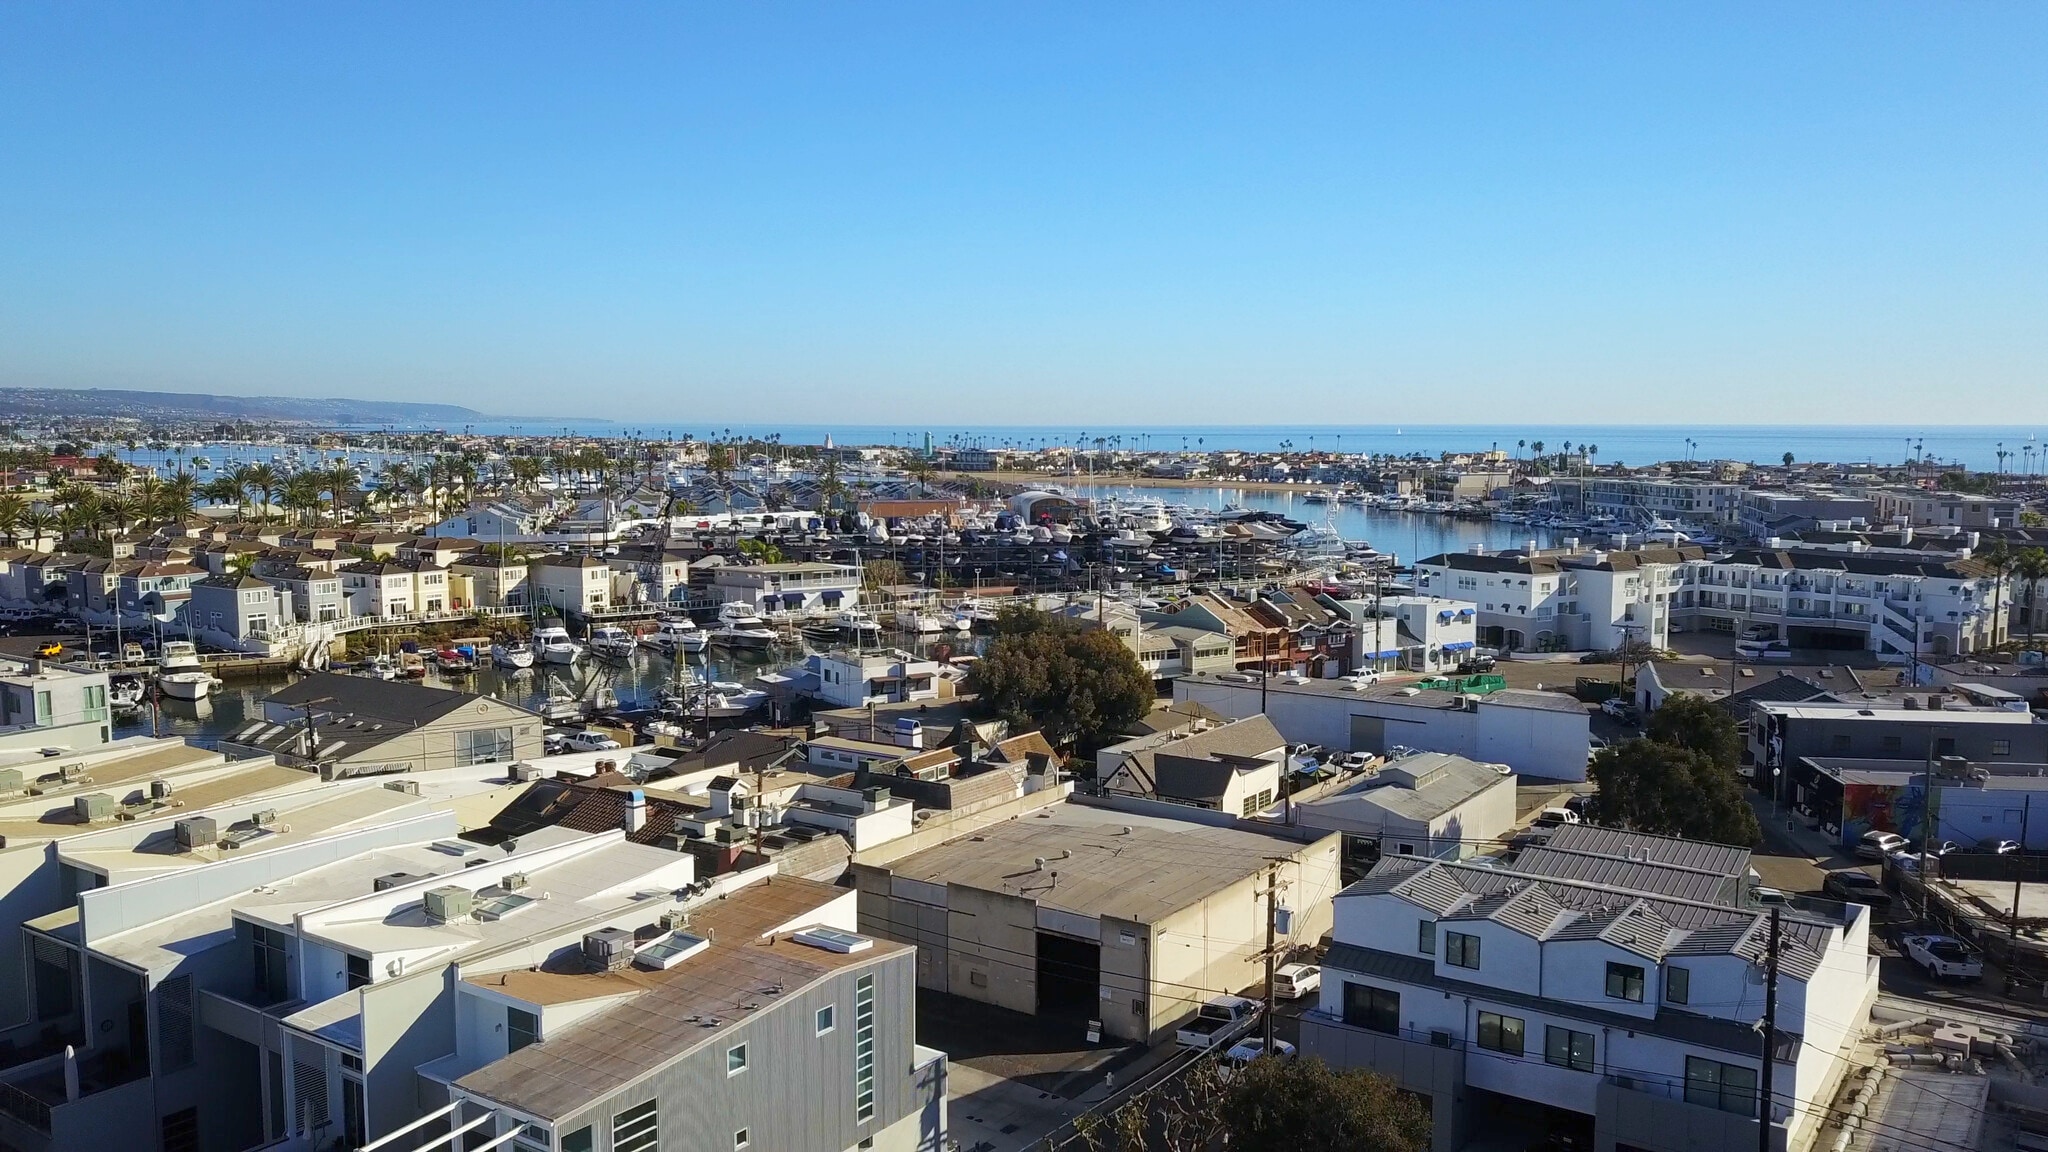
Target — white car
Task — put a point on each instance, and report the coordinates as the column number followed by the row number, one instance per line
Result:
column 1878, row 845
column 1293, row 981
column 1363, row 677
column 1245, row 1051
column 589, row 741
column 1944, row 957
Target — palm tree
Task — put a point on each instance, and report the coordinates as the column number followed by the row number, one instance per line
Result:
column 264, row 481
column 222, row 490
column 341, row 481
column 2031, row 568
column 37, row 526
column 302, row 492
column 12, row 510
column 239, row 474
column 1998, row 557
column 175, row 501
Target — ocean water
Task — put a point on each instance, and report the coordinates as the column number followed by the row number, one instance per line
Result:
column 1973, row 446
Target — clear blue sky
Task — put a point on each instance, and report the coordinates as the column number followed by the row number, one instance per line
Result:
column 995, row 214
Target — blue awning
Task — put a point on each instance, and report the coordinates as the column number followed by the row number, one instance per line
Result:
column 1467, row 612
column 831, row 595
column 1391, row 654
column 1457, row 646
column 1446, row 614
column 792, row 598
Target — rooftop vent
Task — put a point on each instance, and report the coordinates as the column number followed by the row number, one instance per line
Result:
column 447, row 903
column 10, row 780
column 513, row 881
column 159, row 789
column 96, row 806
column 263, row 817
column 393, row 880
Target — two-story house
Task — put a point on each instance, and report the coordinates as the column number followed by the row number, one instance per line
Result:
column 232, row 610
column 496, row 581
column 570, row 583
column 1608, row 985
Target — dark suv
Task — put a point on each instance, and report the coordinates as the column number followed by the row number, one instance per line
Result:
column 1856, row 887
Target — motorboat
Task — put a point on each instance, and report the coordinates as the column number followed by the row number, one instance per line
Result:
column 453, row 661
column 180, row 675
column 611, row 642
column 856, row 622
column 740, row 626
column 922, row 623
column 669, row 635
column 551, row 641
column 125, row 693
column 511, row 656
column 693, row 643
column 381, row 667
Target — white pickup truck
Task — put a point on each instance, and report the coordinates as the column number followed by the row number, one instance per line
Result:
column 1220, row 1022
column 1944, row 957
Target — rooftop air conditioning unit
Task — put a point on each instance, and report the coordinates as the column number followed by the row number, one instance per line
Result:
column 97, row 806
column 513, row 881
column 392, row 880
column 263, row 817
column 159, row 789
column 10, row 780
column 447, row 903
column 196, row 832
column 608, row 949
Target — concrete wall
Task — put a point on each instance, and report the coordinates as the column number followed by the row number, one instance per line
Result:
column 406, row 1023
column 992, row 948
column 31, row 885
column 1438, row 1073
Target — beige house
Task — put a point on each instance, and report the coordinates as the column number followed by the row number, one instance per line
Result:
column 571, row 583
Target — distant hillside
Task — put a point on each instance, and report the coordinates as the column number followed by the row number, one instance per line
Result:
column 52, row 402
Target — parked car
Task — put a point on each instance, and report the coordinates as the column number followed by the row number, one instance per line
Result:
column 1877, row 845
column 1854, row 886
column 1361, row 677
column 1293, row 981
column 589, row 740
column 1245, row 1051
column 50, row 651
column 1220, row 1021
column 1768, row 896
column 554, row 744
column 1476, row 663
column 1580, row 804
column 1944, row 957
column 2001, row 847
column 1619, row 708
column 1554, row 817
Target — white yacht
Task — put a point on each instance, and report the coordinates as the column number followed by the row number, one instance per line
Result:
column 553, row 644
column 610, row 641
column 179, row 673
column 670, row 634
column 922, row 623
column 511, row 656
column 125, row 693
column 740, row 626
column 855, row 622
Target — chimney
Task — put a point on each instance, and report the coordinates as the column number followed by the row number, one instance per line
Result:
column 636, row 811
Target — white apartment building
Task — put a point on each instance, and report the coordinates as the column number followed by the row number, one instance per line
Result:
column 570, row 583
column 855, row 679
column 1894, row 605
column 1637, row 499
column 1563, row 601
column 44, row 704
column 1610, row 987
column 797, row 587
column 1409, row 633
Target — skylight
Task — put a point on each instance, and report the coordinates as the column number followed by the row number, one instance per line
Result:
column 833, row 940
column 670, row 951
column 499, row 907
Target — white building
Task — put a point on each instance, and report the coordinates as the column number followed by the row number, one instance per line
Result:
column 1891, row 604
column 1611, row 989
column 797, row 587
column 1638, row 499
column 579, row 583
column 1422, row 804
column 1409, row 633
column 855, row 679
column 1543, row 734
column 1559, row 601
column 44, row 704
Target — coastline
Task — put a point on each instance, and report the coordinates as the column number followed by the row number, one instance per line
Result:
column 1039, row 479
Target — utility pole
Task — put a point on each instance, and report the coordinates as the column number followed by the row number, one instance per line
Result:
column 1272, row 922
column 1926, row 817
column 1763, row 1117
column 2012, row 928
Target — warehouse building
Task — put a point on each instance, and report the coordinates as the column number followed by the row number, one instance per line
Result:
column 1087, row 913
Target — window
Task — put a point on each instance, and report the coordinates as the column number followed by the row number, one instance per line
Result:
column 1461, row 950
column 637, row 1129
column 1727, row 1087
column 521, row 1028
column 1425, row 937
column 1839, row 742
column 1892, row 745
column 1677, row 985
column 355, row 1124
column 1499, row 1033
column 578, row 1141
column 181, row 1131
column 1257, row 802
column 271, row 949
column 739, row 1140
column 1374, row 1008
column 483, row 746
column 95, row 703
column 1625, row 982
column 2001, row 747
column 827, row 1018
column 1568, row 1049
column 864, row 1049
column 735, row 1059
column 358, row 971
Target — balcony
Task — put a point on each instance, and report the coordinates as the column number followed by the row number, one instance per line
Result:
column 39, row 1096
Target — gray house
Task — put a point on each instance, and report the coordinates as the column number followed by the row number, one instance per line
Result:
column 315, row 594
column 238, row 608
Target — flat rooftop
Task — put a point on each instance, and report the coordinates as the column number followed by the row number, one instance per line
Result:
column 1156, row 869
column 200, row 778
column 152, row 845
column 1406, row 695
column 750, row 966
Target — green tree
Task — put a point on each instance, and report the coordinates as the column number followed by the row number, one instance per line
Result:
column 12, row 510
column 2030, row 568
column 1787, row 458
column 264, row 483
column 1698, row 724
column 1288, row 1106
column 879, row 574
column 1667, row 790
column 1077, row 686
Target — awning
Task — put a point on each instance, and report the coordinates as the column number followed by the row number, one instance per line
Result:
column 1457, row 646
column 1446, row 614
column 1390, row 654
column 1467, row 612
column 831, row 595
column 793, row 599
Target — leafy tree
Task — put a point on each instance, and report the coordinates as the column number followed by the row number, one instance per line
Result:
column 1287, row 1106
column 879, row 574
column 1787, row 458
column 1668, row 790
column 1075, row 685
column 1699, row 725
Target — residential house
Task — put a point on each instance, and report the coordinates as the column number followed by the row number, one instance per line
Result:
column 45, row 705
column 1607, row 990
column 570, row 583
column 1428, row 634
column 496, row 581
column 1564, row 600
column 358, row 726
column 1894, row 605
column 1233, row 767
column 793, row 587
column 233, row 610
column 1422, row 804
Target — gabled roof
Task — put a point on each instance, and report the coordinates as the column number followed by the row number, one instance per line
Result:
column 383, row 699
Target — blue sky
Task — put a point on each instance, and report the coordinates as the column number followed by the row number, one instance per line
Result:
column 1175, row 214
